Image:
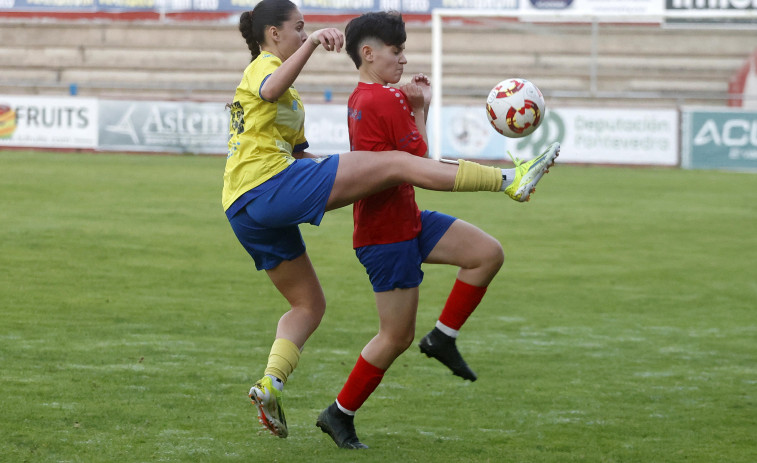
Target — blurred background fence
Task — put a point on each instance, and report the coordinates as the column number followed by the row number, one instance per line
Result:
column 643, row 54
column 203, row 60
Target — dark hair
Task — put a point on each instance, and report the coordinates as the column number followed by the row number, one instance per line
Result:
column 252, row 24
column 386, row 26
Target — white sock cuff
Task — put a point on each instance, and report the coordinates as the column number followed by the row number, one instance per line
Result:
column 277, row 383
column 344, row 410
column 447, row 330
column 508, row 175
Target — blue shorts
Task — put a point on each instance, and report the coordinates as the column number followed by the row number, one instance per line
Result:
column 398, row 265
column 267, row 226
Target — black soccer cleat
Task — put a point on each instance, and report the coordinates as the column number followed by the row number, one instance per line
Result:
column 443, row 348
column 340, row 426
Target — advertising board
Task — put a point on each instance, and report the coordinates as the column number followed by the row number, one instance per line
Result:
column 606, row 136
column 719, row 139
column 163, row 126
column 48, row 122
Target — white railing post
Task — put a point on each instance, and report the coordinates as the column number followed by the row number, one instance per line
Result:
column 436, row 83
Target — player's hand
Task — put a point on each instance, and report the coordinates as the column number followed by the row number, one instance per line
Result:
column 414, row 95
column 423, row 82
column 332, row 39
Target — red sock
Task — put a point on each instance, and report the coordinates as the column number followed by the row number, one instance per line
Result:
column 363, row 380
column 462, row 301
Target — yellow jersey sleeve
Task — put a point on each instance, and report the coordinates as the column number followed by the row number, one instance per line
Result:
column 262, row 134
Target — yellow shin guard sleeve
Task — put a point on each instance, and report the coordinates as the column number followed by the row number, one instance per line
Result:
column 475, row 177
column 283, row 359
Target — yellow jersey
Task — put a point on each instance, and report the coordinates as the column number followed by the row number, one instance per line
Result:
column 262, row 134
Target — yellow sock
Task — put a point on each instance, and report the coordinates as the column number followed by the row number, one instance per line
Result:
column 283, row 359
column 472, row 176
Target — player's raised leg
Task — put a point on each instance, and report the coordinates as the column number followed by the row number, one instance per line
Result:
column 362, row 173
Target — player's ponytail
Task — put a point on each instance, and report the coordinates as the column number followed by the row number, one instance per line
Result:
column 246, row 21
column 253, row 24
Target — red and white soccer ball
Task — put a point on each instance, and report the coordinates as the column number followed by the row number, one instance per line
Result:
column 515, row 108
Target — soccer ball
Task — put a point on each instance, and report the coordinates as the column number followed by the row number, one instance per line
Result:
column 515, row 108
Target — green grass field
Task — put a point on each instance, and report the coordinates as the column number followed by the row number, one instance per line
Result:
column 132, row 324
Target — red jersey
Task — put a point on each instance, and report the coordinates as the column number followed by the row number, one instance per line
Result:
column 380, row 119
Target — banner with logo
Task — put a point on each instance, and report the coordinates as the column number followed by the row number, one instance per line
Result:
column 163, row 126
column 466, row 132
column 605, row 136
column 326, row 128
column 733, row 12
column 710, row 5
column 48, row 122
column 81, row 6
column 588, row 135
column 338, row 7
column 616, row 8
column 719, row 139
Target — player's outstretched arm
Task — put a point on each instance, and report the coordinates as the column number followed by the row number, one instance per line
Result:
column 283, row 77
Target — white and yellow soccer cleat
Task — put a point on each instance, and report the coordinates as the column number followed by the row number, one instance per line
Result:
column 528, row 174
column 268, row 401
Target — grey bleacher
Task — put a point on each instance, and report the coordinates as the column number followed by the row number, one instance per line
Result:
column 204, row 61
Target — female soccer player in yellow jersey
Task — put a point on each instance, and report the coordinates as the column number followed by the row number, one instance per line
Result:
column 272, row 184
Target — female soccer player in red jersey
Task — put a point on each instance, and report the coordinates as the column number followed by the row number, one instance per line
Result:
column 392, row 237
column 272, row 184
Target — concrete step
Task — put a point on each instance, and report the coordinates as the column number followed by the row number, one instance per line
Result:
column 509, row 38
column 615, row 39
column 62, row 58
column 147, row 59
column 197, row 36
column 152, row 78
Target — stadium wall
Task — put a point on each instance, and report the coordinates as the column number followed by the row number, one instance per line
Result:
column 711, row 138
column 627, row 64
column 155, row 79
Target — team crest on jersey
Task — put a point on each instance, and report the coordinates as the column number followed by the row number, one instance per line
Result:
column 354, row 114
column 236, row 124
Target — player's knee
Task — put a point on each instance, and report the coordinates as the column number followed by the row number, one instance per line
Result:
column 406, row 341
column 490, row 260
column 400, row 341
column 314, row 307
column 497, row 255
column 489, row 255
